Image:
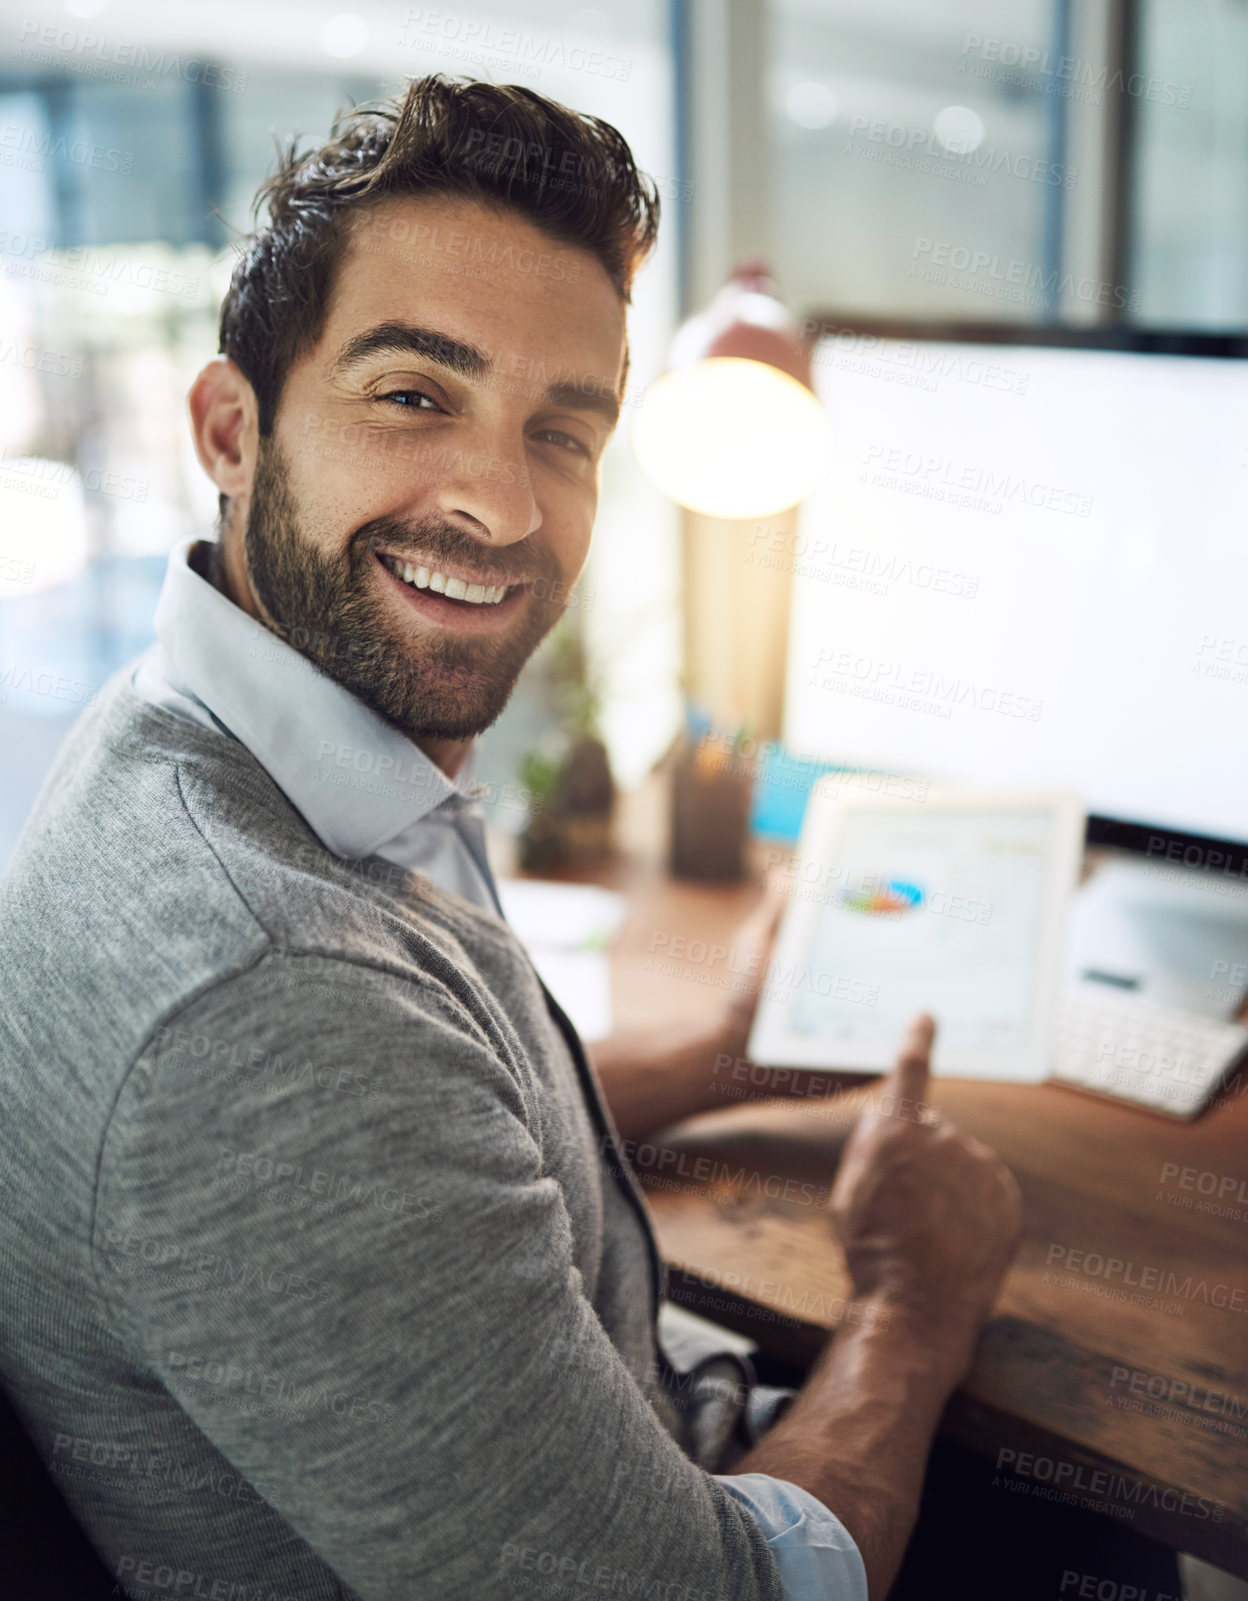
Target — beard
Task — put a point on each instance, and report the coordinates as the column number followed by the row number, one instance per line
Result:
column 424, row 681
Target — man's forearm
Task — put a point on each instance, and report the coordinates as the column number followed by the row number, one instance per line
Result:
column 858, row 1435
column 654, row 1077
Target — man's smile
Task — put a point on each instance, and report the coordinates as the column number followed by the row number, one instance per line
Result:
column 450, row 597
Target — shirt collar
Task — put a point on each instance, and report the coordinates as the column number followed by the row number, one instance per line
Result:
column 356, row 780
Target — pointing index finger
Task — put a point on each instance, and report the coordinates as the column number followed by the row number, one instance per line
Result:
column 910, row 1073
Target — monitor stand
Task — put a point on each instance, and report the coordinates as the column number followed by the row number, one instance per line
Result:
column 1174, row 936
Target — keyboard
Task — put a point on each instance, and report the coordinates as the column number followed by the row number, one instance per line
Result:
column 1158, row 1057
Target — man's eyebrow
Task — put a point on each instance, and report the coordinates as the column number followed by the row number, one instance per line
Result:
column 406, row 339
column 581, row 397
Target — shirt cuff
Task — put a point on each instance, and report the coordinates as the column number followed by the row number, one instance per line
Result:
column 815, row 1554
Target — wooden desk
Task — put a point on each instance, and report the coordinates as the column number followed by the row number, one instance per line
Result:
column 1064, row 1370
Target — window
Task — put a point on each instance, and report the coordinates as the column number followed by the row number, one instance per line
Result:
column 914, row 158
column 1189, row 229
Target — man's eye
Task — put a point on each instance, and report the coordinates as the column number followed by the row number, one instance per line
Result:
column 404, row 399
column 568, row 440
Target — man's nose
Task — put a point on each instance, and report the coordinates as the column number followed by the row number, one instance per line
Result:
column 487, row 487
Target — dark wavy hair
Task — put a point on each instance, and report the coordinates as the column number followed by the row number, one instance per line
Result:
column 571, row 175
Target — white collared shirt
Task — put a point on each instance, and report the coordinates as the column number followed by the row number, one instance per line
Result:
column 362, row 787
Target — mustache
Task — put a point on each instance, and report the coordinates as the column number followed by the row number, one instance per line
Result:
column 427, row 543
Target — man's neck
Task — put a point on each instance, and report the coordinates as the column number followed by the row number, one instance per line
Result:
column 210, row 559
column 449, row 755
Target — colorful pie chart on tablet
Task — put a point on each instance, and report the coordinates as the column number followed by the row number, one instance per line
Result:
column 885, row 897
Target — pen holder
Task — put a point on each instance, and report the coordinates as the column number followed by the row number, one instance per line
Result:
column 710, row 815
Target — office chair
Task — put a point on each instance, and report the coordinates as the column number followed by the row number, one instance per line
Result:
column 46, row 1556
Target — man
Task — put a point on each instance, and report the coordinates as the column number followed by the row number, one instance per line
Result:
column 323, row 1273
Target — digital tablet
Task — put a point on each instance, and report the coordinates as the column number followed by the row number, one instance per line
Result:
column 954, row 905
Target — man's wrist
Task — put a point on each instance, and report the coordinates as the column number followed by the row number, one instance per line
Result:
column 935, row 1344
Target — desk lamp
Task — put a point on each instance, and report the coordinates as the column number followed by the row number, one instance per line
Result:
column 734, row 434
column 733, row 429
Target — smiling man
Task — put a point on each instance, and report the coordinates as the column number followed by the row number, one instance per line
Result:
column 327, row 1276
column 421, row 500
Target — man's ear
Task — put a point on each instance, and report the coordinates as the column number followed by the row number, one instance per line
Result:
column 225, row 425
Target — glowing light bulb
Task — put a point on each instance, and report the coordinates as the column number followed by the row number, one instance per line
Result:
column 731, row 438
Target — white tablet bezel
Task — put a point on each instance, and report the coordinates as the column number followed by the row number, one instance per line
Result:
column 827, row 814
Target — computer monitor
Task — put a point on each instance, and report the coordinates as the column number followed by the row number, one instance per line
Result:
column 1028, row 565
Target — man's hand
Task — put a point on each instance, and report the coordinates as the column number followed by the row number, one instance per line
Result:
column 929, row 1217
column 652, row 1077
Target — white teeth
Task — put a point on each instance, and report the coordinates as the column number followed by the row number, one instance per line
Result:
column 455, row 588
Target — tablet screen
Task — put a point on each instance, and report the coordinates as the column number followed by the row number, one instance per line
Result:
column 941, row 913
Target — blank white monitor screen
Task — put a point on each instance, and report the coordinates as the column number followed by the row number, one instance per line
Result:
column 1029, row 566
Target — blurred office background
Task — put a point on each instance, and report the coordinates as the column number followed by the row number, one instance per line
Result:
column 1112, row 143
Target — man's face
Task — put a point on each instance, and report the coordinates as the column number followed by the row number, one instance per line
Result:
column 445, row 431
